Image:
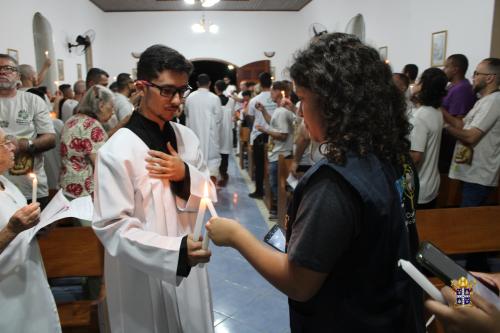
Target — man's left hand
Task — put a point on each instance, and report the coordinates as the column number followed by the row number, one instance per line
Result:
column 161, row 165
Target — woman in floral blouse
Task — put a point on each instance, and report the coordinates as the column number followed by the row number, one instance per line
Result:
column 82, row 135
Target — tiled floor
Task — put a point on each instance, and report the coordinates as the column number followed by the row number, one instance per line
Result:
column 243, row 301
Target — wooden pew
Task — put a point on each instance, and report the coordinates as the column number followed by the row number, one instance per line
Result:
column 284, row 166
column 459, row 231
column 71, row 252
column 244, row 143
column 267, row 185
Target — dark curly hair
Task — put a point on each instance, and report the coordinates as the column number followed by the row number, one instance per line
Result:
column 363, row 110
column 433, row 87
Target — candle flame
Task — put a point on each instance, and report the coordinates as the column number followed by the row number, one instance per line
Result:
column 205, row 190
column 283, row 93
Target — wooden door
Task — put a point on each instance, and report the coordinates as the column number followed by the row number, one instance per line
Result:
column 251, row 71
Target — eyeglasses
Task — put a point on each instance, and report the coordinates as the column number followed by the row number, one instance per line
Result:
column 169, row 91
column 476, row 73
column 8, row 69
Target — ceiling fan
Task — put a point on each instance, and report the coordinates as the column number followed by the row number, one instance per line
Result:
column 82, row 42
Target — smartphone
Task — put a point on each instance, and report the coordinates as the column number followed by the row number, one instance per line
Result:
column 276, row 238
column 430, row 257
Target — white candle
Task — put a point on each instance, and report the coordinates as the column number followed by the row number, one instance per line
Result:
column 199, row 219
column 213, row 212
column 421, row 280
column 46, row 54
column 35, row 187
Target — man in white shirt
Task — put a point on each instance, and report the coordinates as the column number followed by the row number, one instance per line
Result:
column 123, row 106
column 281, row 136
column 29, row 77
column 258, row 139
column 204, row 116
column 476, row 159
column 26, row 117
column 69, row 107
column 150, row 177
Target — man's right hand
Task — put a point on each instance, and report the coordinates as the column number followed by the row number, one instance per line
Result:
column 196, row 255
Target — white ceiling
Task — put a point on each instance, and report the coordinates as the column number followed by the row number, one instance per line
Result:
column 179, row 5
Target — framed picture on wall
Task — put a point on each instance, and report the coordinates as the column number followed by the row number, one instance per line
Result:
column 60, row 69
column 14, row 54
column 79, row 71
column 383, row 51
column 438, row 48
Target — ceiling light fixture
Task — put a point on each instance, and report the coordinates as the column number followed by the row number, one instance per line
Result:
column 204, row 26
column 204, row 3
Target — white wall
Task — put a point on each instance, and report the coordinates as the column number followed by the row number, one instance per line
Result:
column 405, row 26
column 68, row 19
column 243, row 36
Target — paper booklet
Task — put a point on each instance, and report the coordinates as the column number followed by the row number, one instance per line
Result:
column 59, row 208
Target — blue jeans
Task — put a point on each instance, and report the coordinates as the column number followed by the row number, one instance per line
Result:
column 474, row 195
column 273, row 179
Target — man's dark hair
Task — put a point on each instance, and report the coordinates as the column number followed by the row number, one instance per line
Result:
column 93, row 75
column 250, row 84
column 494, row 67
column 281, row 85
column 362, row 110
column 114, row 87
column 411, row 70
column 158, row 58
column 122, row 81
column 265, row 80
column 64, row 87
column 460, row 61
column 246, row 93
column 203, row 80
column 6, row 56
column 433, row 82
column 220, row 85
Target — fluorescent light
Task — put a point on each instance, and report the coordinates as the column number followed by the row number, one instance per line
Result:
column 209, row 3
column 189, row 2
column 213, row 28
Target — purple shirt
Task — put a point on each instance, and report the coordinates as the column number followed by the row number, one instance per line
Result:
column 460, row 98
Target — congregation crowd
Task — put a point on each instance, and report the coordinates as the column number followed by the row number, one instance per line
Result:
column 374, row 126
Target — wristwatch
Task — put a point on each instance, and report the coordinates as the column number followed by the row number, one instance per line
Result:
column 31, row 147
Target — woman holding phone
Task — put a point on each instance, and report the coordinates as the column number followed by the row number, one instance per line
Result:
column 352, row 216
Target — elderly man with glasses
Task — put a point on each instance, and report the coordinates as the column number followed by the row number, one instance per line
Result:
column 26, row 117
column 149, row 178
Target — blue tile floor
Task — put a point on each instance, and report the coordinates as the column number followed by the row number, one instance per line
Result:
column 243, row 301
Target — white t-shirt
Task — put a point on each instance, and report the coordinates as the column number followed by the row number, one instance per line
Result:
column 68, row 109
column 485, row 164
column 263, row 98
column 123, row 107
column 425, row 137
column 282, row 122
column 25, row 116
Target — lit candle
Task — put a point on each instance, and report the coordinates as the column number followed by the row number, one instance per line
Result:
column 35, row 187
column 46, row 54
column 421, row 280
column 283, row 93
column 213, row 212
column 199, row 219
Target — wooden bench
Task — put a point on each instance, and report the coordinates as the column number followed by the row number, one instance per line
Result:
column 284, row 196
column 460, row 231
column 72, row 252
column 244, row 143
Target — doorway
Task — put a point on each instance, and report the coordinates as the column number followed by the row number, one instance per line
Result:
column 214, row 68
